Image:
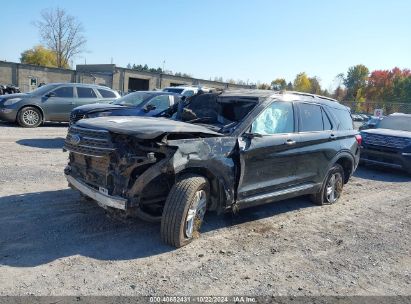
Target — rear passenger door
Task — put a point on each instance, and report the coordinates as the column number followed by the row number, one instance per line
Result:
column 85, row 95
column 317, row 142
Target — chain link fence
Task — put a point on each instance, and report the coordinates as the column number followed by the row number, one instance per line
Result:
column 368, row 107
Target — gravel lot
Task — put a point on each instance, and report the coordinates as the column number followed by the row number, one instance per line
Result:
column 51, row 243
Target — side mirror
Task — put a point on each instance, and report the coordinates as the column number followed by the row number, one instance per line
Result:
column 250, row 135
column 149, row 108
column 51, row 94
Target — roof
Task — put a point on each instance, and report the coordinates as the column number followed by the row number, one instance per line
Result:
column 284, row 95
column 157, row 93
column 78, row 83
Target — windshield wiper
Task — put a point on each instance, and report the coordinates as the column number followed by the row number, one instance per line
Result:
column 227, row 127
column 199, row 119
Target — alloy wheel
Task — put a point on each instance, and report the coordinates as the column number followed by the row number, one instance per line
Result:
column 334, row 187
column 196, row 213
column 31, row 117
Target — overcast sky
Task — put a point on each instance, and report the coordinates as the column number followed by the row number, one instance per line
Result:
column 248, row 40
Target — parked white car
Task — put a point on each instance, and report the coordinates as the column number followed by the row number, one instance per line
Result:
column 187, row 90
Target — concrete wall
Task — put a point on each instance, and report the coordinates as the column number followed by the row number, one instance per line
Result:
column 6, row 72
column 103, row 74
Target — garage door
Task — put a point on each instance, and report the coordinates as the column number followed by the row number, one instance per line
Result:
column 138, row 84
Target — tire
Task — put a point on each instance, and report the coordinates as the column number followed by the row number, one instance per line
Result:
column 332, row 188
column 184, row 210
column 29, row 117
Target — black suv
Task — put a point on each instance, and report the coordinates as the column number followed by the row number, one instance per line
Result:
column 219, row 153
column 388, row 144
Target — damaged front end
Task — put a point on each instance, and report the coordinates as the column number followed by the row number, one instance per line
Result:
column 124, row 171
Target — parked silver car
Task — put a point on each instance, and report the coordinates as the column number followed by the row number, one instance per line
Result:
column 51, row 102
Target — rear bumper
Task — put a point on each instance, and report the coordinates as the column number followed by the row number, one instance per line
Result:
column 398, row 160
column 102, row 199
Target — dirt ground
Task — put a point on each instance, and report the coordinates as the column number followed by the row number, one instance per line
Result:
column 51, row 243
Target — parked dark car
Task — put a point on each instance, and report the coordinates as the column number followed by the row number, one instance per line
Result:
column 51, row 102
column 9, row 89
column 389, row 143
column 227, row 152
column 371, row 123
column 3, row 89
column 142, row 103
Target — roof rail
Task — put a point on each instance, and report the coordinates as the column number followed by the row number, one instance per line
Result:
column 310, row 95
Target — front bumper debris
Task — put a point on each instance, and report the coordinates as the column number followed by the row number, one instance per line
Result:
column 102, row 199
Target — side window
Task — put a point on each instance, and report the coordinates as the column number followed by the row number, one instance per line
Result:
column 310, row 117
column 326, row 121
column 161, row 102
column 344, row 117
column 278, row 118
column 188, row 93
column 84, row 92
column 64, row 92
column 107, row 93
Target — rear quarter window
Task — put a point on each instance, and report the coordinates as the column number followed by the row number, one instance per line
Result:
column 344, row 119
column 107, row 93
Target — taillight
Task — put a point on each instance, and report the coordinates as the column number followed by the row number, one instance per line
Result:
column 358, row 137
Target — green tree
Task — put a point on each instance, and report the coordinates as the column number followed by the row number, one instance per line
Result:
column 39, row 55
column 315, row 85
column 290, row 87
column 279, row 84
column 339, row 93
column 356, row 81
column 302, row 83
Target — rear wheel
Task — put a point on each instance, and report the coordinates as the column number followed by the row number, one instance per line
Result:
column 29, row 117
column 184, row 210
column 332, row 188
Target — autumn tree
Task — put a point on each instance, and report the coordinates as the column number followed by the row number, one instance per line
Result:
column 39, row 55
column 61, row 33
column 279, row 84
column 263, row 86
column 302, row 83
column 387, row 85
column 356, row 81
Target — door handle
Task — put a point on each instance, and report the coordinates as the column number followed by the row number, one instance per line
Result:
column 333, row 137
column 72, row 103
column 290, row 142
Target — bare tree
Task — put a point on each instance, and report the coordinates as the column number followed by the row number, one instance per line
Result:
column 62, row 33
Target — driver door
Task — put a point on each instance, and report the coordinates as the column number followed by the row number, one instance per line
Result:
column 268, row 153
column 59, row 104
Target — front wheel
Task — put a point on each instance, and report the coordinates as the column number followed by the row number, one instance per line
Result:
column 29, row 117
column 332, row 188
column 184, row 210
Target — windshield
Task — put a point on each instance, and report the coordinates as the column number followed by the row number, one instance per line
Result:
column 174, row 90
column 133, row 99
column 402, row 123
column 43, row 89
column 219, row 114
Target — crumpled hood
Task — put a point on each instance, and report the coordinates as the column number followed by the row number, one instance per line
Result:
column 98, row 107
column 388, row 132
column 143, row 127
